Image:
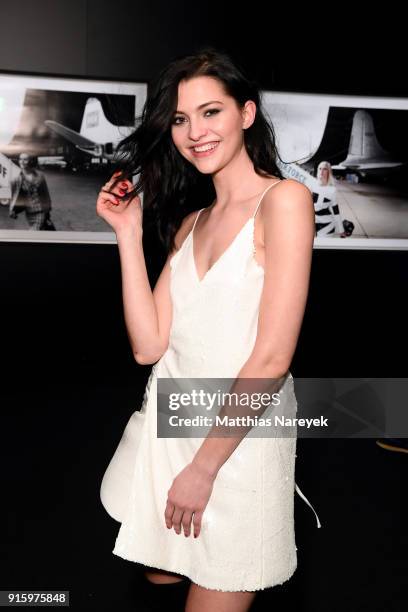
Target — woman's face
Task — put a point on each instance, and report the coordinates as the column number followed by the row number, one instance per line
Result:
column 24, row 161
column 205, row 114
column 323, row 175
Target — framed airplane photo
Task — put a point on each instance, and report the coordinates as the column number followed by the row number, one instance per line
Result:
column 351, row 152
column 58, row 138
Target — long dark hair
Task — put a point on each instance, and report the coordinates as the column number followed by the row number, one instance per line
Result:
column 172, row 186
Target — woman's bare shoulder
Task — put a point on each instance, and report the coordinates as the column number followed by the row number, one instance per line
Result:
column 292, row 185
column 288, row 195
column 286, row 190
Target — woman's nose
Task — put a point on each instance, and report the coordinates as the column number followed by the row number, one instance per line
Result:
column 196, row 130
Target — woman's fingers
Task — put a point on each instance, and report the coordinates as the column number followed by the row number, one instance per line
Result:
column 197, row 522
column 123, row 188
column 111, row 181
column 177, row 516
column 109, row 197
column 120, row 188
column 186, row 522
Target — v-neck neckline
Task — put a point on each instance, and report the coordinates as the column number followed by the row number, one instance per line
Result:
column 200, row 281
column 251, row 218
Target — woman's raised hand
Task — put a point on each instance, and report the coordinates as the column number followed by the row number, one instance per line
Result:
column 115, row 209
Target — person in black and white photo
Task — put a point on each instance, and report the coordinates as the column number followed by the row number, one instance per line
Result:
column 30, row 193
column 327, row 214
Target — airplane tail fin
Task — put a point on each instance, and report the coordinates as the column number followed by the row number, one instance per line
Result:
column 364, row 146
column 96, row 127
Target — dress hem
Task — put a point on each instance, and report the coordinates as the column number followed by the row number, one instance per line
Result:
column 203, row 583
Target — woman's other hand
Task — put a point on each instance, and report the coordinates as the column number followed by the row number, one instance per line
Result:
column 113, row 206
column 187, row 499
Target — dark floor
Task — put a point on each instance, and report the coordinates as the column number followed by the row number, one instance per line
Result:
column 60, row 537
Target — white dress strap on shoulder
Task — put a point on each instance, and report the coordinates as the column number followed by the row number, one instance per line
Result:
column 261, row 198
column 308, row 503
column 195, row 220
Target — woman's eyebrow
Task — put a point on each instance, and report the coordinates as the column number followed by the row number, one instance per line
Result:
column 202, row 105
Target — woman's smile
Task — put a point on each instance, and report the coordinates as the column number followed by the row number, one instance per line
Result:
column 204, row 150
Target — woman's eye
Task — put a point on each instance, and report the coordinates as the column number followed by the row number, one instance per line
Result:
column 211, row 110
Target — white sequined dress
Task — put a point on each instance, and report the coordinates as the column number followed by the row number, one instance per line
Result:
column 247, row 539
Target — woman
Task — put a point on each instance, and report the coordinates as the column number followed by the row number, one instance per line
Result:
column 228, row 303
column 328, row 217
column 30, row 193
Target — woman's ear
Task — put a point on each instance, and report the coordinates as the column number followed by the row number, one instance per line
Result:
column 248, row 114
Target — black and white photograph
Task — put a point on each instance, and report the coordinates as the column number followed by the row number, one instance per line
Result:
column 58, row 139
column 351, row 153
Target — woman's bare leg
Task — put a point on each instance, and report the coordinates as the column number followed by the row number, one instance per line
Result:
column 200, row 599
column 158, row 576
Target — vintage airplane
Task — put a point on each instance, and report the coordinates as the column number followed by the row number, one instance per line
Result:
column 98, row 136
column 365, row 154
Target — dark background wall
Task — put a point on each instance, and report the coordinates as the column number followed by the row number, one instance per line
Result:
column 356, row 297
column 304, row 49
column 69, row 383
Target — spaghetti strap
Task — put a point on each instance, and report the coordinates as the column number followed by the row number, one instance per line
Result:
column 308, row 503
column 195, row 220
column 260, row 199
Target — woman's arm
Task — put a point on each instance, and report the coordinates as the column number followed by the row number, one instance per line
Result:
column 139, row 307
column 148, row 315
